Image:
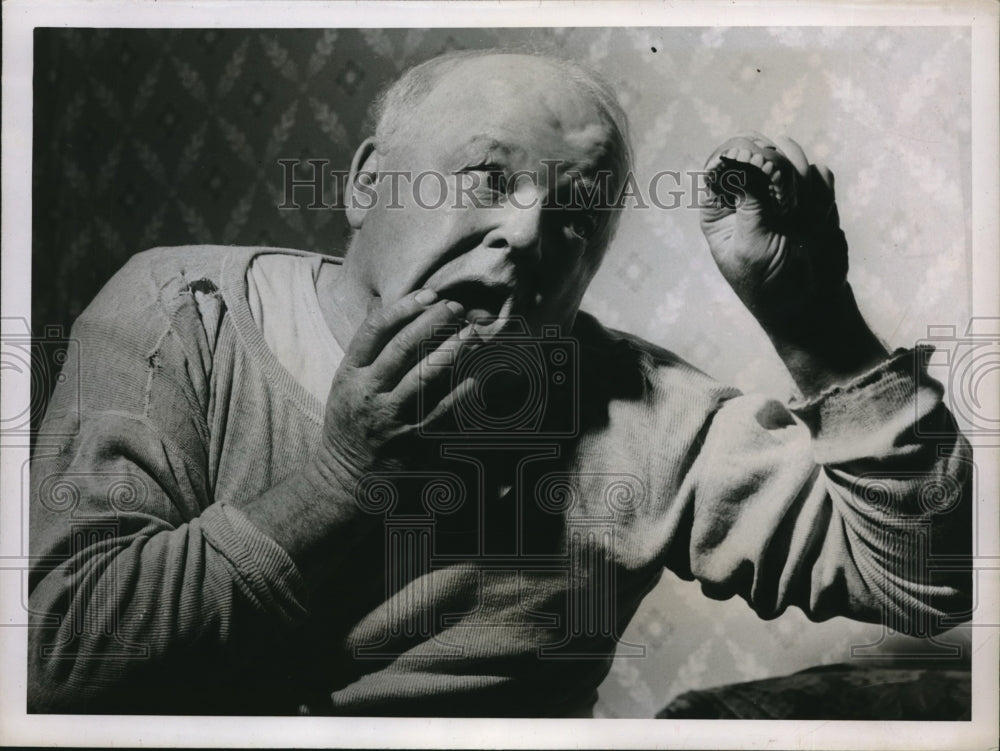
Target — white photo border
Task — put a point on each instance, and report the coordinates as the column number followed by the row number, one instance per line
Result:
column 20, row 17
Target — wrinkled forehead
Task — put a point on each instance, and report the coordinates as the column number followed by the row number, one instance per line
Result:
column 525, row 103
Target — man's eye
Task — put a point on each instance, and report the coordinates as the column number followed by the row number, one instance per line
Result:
column 496, row 181
column 581, row 223
column 490, row 177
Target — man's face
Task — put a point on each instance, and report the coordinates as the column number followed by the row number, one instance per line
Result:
column 483, row 214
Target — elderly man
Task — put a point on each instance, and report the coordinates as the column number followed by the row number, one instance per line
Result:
column 224, row 531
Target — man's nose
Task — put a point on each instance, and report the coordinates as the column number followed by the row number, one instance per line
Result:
column 518, row 226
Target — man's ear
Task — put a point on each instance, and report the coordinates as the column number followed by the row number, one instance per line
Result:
column 361, row 182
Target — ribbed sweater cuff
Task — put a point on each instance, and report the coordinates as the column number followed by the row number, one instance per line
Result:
column 266, row 572
column 889, row 395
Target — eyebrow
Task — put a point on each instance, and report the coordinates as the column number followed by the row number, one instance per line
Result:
column 486, row 147
column 483, row 146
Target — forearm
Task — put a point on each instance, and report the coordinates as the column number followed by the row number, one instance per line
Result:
column 313, row 516
column 156, row 605
column 828, row 347
column 141, row 579
column 125, row 596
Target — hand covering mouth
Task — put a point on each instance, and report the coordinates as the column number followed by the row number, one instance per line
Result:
column 483, row 302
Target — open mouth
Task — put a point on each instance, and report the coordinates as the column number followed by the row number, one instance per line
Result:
column 483, row 303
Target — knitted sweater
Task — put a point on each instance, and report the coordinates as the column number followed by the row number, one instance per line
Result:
column 506, row 588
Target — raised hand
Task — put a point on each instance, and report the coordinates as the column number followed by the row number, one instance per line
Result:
column 774, row 231
column 399, row 356
column 775, row 235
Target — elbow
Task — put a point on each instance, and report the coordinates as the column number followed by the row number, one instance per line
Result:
column 50, row 679
column 68, row 656
column 45, row 696
column 61, row 680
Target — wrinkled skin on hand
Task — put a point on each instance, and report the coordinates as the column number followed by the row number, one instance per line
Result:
column 774, row 231
column 372, row 420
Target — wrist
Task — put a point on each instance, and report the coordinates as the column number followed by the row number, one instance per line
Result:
column 313, row 516
column 329, row 479
column 828, row 344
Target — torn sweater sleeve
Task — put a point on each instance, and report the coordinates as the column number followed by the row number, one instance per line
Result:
column 857, row 503
column 144, row 592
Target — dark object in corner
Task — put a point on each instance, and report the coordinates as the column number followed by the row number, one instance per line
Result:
column 837, row 692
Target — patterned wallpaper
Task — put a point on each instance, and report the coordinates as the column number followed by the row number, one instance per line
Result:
column 159, row 137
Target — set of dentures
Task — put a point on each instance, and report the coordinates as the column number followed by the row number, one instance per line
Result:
column 777, row 171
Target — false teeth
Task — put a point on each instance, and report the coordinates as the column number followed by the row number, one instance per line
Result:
column 774, row 185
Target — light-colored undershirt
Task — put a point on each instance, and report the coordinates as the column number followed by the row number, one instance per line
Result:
column 300, row 337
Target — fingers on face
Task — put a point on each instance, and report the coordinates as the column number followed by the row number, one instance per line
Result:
column 431, row 378
column 382, row 324
column 413, row 339
column 463, row 392
column 409, row 348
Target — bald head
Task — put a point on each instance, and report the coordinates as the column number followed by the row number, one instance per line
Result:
column 399, row 113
